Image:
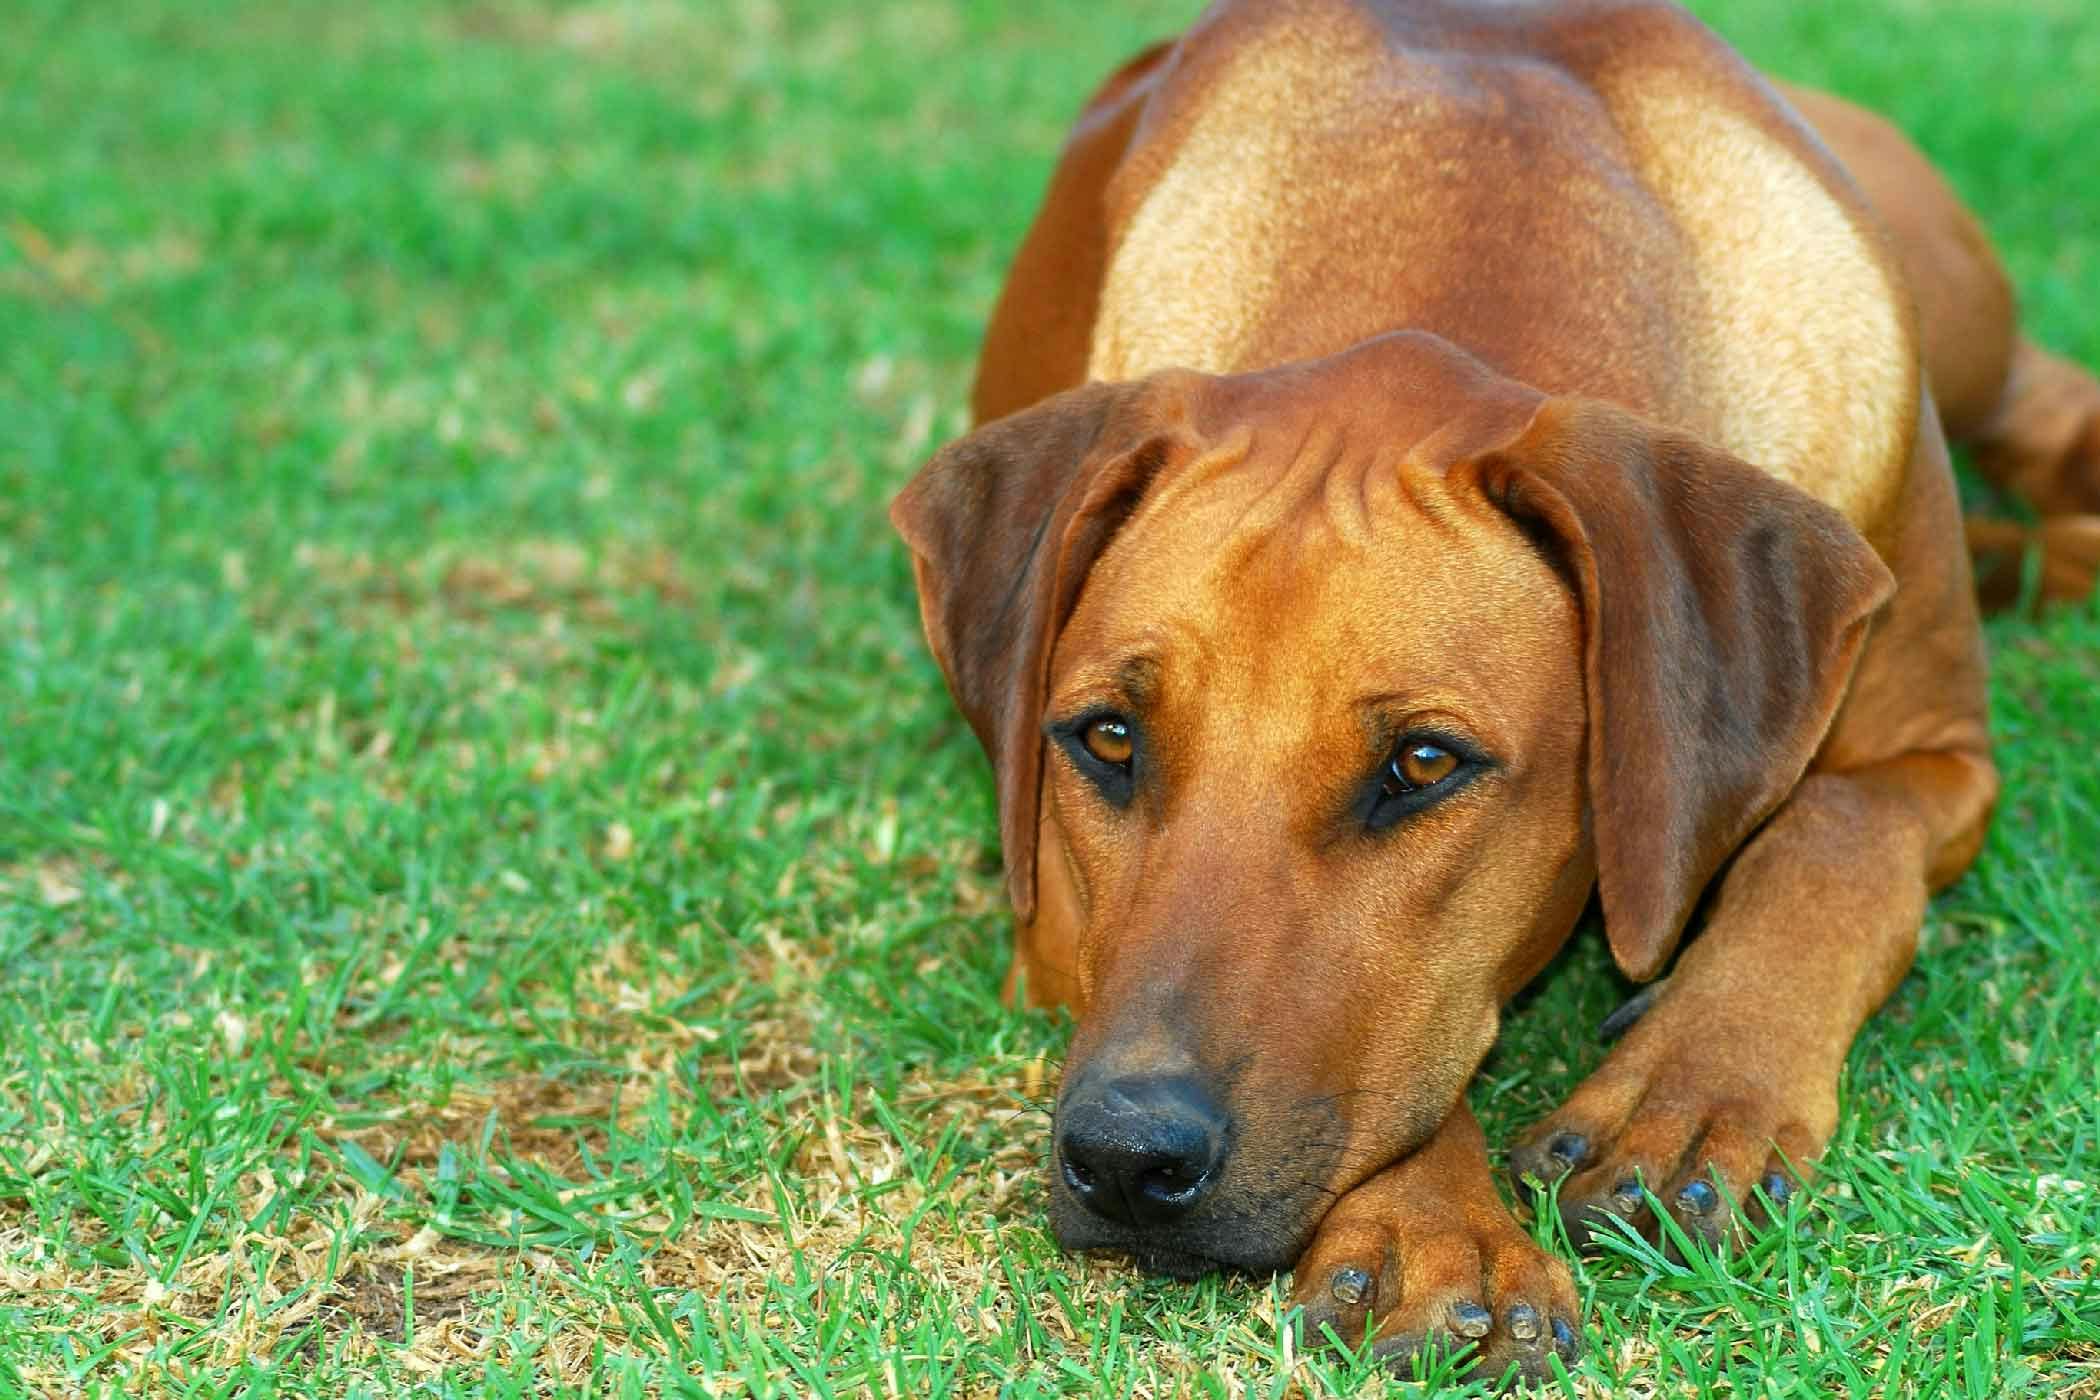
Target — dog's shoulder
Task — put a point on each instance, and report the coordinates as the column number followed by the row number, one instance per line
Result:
column 1807, row 337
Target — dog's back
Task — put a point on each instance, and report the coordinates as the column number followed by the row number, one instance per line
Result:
column 1597, row 199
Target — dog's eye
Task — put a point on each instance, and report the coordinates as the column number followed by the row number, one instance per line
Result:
column 1103, row 749
column 1108, row 739
column 1416, row 766
column 1423, row 769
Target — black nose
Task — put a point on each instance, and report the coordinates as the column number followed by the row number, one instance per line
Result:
column 1141, row 1150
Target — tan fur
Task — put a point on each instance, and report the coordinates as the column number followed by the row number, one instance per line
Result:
column 1231, row 195
column 1802, row 336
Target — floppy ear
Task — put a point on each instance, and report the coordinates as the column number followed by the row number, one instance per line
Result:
column 1003, row 526
column 1722, row 609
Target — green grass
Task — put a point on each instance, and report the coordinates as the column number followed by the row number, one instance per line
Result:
column 493, row 896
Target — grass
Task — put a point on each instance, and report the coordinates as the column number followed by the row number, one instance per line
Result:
column 493, row 896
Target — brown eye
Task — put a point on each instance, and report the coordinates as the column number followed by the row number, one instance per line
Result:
column 1418, row 766
column 1109, row 741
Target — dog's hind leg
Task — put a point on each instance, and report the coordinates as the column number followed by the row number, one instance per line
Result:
column 2041, row 442
column 2065, row 550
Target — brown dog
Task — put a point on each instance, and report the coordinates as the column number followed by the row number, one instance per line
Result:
column 1507, row 465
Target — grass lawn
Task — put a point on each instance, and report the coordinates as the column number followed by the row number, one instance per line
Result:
column 493, row 895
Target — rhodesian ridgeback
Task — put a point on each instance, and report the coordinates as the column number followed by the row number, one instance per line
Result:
column 1440, row 462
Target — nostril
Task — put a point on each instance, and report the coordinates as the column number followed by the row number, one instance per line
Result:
column 1172, row 1183
column 1078, row 1175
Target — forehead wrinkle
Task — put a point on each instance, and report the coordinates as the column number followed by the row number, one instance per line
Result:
column 1367, row 506
column 1379, row 492
column 1430, row 496
column 1205, row 472
column 1443, row 583
column 1345, row 500
column 1298, row 476
column 1300, row 469
column 1279, row 568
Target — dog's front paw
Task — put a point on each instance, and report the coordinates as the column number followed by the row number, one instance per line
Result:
column 1420, row 1271
column 1665, row 1121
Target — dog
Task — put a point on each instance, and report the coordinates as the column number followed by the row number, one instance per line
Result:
column 1439, row 464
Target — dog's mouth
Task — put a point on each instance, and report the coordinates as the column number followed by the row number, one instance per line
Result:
column 1256, row 1237
column 1175, row 1261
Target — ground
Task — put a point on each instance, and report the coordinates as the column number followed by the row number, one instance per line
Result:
column 493, row 895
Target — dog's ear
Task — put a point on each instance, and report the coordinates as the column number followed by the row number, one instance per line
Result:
column 1003, row 526
column 1722, row 612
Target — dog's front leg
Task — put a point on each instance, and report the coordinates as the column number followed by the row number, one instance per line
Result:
column 1425, row 1253
column 1728, row 1083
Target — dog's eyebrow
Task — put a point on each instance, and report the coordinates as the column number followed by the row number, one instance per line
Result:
column 1384, row 711
column 1383, row 718
column 1138, row 678
column 1386, row 715
column 1131, row 683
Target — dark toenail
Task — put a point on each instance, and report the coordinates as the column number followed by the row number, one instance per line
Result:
column 1569, row 1148
column 1699, row 1197
column 1626, row 1196
column 1472, row 1320
column 1350, row 1286
column 1523, row 1320
column 1777, row 1187
column 1563, row 1338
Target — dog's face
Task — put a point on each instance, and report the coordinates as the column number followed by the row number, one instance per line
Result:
column 1320, row 700
column 1314, row 776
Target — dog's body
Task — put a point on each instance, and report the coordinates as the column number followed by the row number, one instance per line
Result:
column 1510, row 466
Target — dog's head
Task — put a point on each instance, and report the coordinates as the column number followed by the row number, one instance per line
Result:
column 1331, row 692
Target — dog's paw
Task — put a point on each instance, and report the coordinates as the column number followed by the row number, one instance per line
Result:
column 2063, row 551
column 1422, row 1281
column 1668, row 1128
column 2045, row 440
column 2071, row 553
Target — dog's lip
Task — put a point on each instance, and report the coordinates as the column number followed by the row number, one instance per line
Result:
column 1182, row 1258
column 1186, row 1250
